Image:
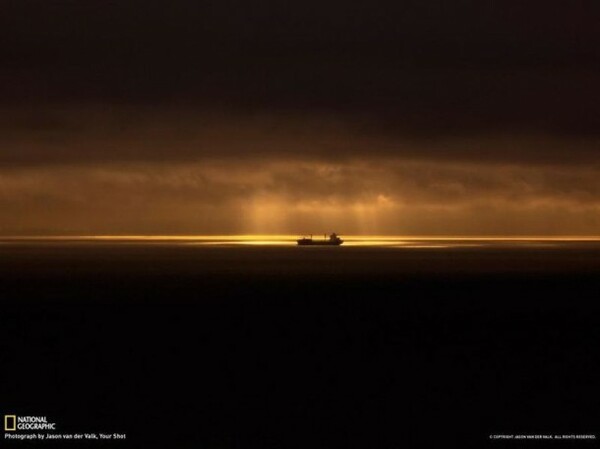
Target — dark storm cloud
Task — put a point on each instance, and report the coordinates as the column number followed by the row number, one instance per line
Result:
column 416, row 116
column 425, row 67
column 101, row 134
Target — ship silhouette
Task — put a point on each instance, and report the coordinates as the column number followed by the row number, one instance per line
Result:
column 333, row 240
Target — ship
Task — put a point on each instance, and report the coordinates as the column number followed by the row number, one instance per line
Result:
column 333, row 240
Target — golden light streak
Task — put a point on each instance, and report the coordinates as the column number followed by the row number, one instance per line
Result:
column 261, row 240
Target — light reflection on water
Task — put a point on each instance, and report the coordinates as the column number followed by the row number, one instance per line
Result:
column 398, row 242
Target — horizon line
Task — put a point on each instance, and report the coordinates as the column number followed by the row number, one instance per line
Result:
column 181, row 237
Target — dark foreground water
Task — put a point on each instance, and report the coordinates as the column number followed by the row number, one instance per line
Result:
column 267, row 346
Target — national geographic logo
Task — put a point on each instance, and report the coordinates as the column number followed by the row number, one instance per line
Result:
column 10, row 423
column 13, row 423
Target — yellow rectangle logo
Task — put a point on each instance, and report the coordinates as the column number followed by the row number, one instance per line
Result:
column 10, row 423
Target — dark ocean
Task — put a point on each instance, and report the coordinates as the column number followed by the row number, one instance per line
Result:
column 374, row 344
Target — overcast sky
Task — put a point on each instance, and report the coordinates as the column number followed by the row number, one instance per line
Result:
column 405, row 117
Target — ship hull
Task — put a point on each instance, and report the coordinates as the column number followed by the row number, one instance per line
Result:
column 317, row 243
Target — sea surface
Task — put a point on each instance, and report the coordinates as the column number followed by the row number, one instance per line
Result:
column 253, row 342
